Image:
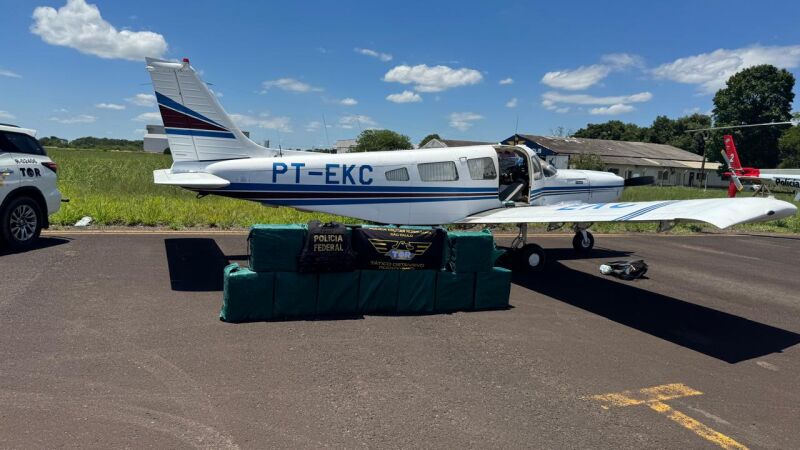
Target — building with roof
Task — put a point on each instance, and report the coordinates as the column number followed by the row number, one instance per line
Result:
column 668, row 165
column 441, row 143
column 345, row 145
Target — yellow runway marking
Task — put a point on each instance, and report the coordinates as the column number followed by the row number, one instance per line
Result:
column 654, row 397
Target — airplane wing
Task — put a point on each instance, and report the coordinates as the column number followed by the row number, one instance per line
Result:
column 720, row 212
column 189, row 180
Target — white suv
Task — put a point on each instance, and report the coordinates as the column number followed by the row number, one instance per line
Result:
column 28, row 191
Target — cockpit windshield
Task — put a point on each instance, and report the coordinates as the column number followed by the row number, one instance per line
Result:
column 548, row 169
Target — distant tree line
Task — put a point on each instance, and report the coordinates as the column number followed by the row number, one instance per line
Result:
column 759, row 94
column 90, row 142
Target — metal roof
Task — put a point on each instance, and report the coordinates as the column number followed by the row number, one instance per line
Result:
column 604, row 148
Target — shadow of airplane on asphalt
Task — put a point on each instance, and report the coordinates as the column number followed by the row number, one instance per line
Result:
column 41, row 243
column 195, row 264
column 721, row 335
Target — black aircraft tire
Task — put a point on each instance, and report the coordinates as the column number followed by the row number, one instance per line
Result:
column 530, row 259
column 583, row 247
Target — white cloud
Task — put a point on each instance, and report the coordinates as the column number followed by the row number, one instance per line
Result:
column 432, row 79
column 356, row 121
column 147, row 100
column 113, row 106
column 80, row 118
column 463, row 120
column 404, row 97
column 313, row 126
column 710, row 71
column 10, row 74
column 618, row 108
column 80, row 26
column 7, row 115
column 289, row 85
column 141, row 131
column 385, row 57
column 506, row 81
column 264, row 121
column 512, row 103
column 551, row 98
column 580, row 78
column 153, row 117
column 586, row 76
column 348, row 101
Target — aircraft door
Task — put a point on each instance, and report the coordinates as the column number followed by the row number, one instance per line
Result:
column 537, row 180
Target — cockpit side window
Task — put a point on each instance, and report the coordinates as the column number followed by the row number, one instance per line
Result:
column 537, row 168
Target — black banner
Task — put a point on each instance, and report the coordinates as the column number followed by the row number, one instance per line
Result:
column 399, row 248
column 328, row 249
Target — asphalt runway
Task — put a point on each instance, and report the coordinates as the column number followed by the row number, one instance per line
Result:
column 112, row 340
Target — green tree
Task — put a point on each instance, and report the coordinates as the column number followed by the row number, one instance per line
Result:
column 673, row 132
column 427, row 138
column 789, row 148
column 614, row 130
column 587, row 161
column 377, row 140
column 54, row 141
column 758, row 94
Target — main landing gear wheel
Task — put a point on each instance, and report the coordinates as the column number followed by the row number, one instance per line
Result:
column 530, row 259
column 583, row 244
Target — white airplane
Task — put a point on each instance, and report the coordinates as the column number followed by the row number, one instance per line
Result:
column 483, row 184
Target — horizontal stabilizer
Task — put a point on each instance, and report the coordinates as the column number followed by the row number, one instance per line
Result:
column 720, row 212
column 191, row 180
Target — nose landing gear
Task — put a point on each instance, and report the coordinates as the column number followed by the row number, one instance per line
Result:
column 583, row 242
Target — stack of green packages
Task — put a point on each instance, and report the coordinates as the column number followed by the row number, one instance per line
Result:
column 470, row 280
column 272, row 288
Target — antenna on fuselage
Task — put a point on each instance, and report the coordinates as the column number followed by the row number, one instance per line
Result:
column 325, row 125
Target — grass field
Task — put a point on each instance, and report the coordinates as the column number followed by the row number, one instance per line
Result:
column 116, row 188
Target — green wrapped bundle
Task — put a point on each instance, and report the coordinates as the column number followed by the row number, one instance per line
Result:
column 295, row 294
column 247, row 295
column 377, row 291
column 337, row 293
column 454, row 291
column 472, row 251
column 417, row 291
column 492, row 289
column 276, row 248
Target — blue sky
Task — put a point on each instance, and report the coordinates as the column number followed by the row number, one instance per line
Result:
column 467, row 70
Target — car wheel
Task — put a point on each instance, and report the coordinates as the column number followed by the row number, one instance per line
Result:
column 21, row 223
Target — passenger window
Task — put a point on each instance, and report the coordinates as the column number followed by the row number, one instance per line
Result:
column 20, row 143
column 400, row 174
column 438, row 171
column 482, row 169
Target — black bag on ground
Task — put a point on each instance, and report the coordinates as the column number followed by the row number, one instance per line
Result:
column 393, row 248
column 627, row 270
column 327, row 248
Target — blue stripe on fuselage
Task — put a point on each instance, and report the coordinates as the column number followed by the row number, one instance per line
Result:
column 350, row 201
column 353, row 188
column 201, row 133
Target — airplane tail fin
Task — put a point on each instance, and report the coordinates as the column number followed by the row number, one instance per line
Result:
column 730, row 150
column 731, row 157
column 197, row 127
